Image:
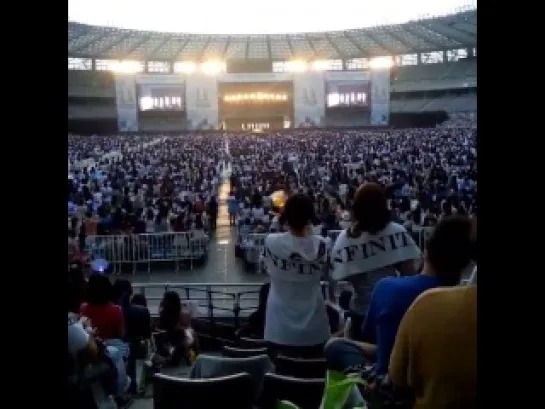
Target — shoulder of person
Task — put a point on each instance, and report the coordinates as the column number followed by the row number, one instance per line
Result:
column 387, row 283
column 441, row 292
column 273, row 239
column 430, row 297
column 394, row 227
column 327, row 240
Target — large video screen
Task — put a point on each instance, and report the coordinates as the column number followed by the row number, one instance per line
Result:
column 348, row 94
column 169, row 97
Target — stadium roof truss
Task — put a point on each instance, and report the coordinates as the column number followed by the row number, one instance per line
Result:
column 449, row 32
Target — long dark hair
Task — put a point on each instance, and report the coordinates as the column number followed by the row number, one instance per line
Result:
column 171, row 308
column 370, row 209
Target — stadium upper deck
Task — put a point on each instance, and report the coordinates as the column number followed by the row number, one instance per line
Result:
column 452, row 32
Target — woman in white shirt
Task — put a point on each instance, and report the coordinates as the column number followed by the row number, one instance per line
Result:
column 372, row 248
column 296, row 320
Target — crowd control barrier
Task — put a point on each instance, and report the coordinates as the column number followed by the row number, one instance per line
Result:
column 145, row 249
column 253, row 246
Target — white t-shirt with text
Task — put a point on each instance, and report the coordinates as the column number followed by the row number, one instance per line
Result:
column 296, row 313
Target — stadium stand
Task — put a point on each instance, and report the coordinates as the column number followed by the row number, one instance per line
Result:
column 140, row 202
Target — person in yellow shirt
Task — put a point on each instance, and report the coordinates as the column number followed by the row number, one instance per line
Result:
column 435, row 352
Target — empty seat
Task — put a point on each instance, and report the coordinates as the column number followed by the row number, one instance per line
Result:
column 208, row 366
column 305, row 393
column 181, row 393
column 300, row 368
column 242, row 352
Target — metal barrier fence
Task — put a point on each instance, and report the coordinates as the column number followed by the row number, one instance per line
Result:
column 209, row 300
column 145, row 249
column 235, row 300
column 253, row 246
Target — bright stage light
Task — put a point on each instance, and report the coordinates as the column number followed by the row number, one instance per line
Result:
column 213, row 67
column 297, row 66
column 126, row 67
column 146, row 103
column 185, row 67
column 320, row 65
column 378, row 63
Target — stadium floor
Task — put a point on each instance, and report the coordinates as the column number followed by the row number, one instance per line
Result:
column 221, row 267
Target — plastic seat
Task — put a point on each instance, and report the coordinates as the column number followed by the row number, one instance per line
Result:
column 305, row 393
column 251, row 343
column 300, row 368
column 232, row 352
column 233, row 391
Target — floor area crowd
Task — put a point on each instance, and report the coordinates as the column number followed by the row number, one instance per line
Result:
column 390, row 290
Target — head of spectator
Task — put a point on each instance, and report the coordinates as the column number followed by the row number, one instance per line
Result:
column 99, row 290
column 370, row 211
column 449, row 249
column 139, row 299
column 169, row 311
column 298, row 214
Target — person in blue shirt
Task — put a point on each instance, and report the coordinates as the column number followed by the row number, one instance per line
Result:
column 448, row 252
column 232, row 207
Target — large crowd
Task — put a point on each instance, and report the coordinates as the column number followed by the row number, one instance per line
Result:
column 380, row 187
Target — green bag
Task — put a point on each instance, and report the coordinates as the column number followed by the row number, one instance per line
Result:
column 337, row 391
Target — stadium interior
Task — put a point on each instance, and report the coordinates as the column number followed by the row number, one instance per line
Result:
column 179, row 209
column 433, row 67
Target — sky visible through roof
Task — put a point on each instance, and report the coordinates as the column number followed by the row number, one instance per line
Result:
column 255, row 17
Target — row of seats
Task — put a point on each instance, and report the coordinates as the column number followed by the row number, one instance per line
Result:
column 183, row 393
column 464, row 103
column 300, row 381
column 438, row 71
column 283, row 365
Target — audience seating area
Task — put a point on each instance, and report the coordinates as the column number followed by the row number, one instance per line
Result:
column 91, row 84
column 437, row 72
column 300, row 381
column 229, row 377
column 450, row 104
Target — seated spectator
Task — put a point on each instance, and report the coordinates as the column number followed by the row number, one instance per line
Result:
column 137, row 318
column 82, row 344
column 296, row 322
column 372, row 248
column 446, row 375
column 448, row 252
column 179, row 336
column 106, row 317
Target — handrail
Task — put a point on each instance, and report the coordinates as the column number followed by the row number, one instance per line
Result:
column 211, row 296
column 189, row 285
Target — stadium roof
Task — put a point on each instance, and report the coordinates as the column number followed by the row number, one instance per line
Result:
column 449, row 32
